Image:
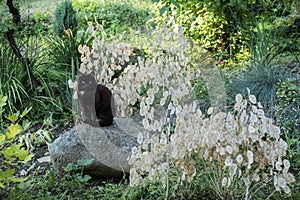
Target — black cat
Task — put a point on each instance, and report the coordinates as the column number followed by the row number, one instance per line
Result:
column 95, row 101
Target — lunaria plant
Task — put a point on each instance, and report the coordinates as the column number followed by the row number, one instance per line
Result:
column 243, row 147
column 159, row 75
column 241, row 150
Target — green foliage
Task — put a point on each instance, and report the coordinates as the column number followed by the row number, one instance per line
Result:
column 11, row 78
column 63, row 52
column 6, row 22
column 77, row 178
column 12, row 152
column 288, row 112
column 149, row 190
column 262, row 74
column 65, row 19
column 288, row 101
column 216, row 25
column 221, row 27
column 14, row 82
column 72, row 185
column 36, row 24
column 115, row 17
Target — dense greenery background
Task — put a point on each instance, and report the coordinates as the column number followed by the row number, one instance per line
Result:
column 254, row 44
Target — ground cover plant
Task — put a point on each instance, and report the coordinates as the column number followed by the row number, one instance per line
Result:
column 206, row 146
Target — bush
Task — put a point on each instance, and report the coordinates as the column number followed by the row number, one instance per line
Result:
column 114, row 17
column 12, row 152
column 288, row 107
column 221, row 27
column 65, row 19
column 236, row 154
column 241, row 152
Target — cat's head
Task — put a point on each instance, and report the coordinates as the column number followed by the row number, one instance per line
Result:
column 86, row 82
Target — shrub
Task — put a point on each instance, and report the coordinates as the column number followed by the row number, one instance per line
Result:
column 115, row 17
column 221, row 27
column 12, row 154
column 65, row 19
column 288, row 101
column 236, row 153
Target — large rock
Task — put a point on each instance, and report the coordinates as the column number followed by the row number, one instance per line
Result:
column 109, row 147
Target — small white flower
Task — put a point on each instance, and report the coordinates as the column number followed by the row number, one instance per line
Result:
column 82, row 70
column 250, row 158
column 140, row 138
column 239, row 159
column 255, row 177
column 210, row 110
column 251, row 129
column 247, row 181
column 252, row 99
column 224, row 181
column 278, row 165
column 228, row 162
column 238, row 98
column 286, row 164
column 229, row 149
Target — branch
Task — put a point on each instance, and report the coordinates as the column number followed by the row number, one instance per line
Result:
column 10, row 36
column 14, row 11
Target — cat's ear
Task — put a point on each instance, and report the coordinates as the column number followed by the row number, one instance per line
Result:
column 79, row 73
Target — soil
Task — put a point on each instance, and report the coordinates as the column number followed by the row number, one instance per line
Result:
column 34, row 166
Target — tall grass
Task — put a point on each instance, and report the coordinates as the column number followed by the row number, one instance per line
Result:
column 15, row 84
column 262, row 74
column 11, row 78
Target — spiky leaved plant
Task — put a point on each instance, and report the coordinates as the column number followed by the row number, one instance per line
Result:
column 262, row 74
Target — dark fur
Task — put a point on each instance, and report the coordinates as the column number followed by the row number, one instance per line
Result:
column 95, row 101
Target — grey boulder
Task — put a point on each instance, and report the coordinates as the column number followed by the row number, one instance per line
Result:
column 108, row 147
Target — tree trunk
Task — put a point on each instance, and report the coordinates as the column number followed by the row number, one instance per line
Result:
column 10, row 36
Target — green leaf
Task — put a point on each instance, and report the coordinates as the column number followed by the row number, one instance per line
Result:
column 13, row 118
column 11, row 151
column 2, row 139
column 164, row 9
column 24, row 185
column 14, row 129
column 1, row 175
column 84, row 162
column 71, row 167
column 26, row 125
column 22, row 154
column 28, row 158
column 85, row 178
column 8, row 173
column 175, row 3
column 3, row 101
column 25, row 112
column 15, row 179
